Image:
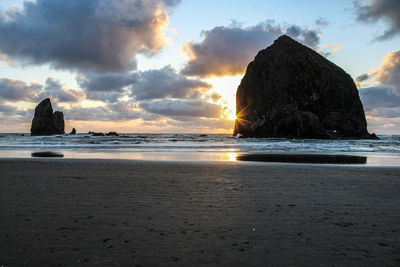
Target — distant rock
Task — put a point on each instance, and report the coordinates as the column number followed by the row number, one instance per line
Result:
column 102, row 134
column 73, row 131
column 96, row 134
column 112, row 134
column 291, row 91
column 45, row 122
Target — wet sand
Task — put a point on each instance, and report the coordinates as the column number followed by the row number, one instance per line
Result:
column 140, row 213
column 304, row 158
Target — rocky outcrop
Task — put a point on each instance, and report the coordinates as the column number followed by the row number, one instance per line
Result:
column 73, row 131
column 45, row 122
column 59, row 126
column 102, row 134
column 291, row 91
column 112, row 134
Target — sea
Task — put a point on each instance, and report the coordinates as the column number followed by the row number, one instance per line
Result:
column 193, row 147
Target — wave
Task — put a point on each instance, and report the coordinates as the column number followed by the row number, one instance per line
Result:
column 198, row 142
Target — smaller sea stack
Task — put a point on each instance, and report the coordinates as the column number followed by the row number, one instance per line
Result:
column 45, row 122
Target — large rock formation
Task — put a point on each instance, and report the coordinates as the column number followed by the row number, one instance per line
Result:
column 45, row 122
column 291, row 91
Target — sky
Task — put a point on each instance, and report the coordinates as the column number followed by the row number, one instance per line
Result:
column 173, row 66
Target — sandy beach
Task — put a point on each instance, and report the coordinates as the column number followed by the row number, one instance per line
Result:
column 69, row 212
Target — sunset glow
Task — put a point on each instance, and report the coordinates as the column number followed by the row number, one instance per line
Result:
column 159, row 66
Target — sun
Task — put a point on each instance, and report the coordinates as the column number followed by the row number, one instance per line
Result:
column 230, row 115
column 226, row 87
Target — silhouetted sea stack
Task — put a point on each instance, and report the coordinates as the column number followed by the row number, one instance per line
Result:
column 291, row 91
column 45, row 122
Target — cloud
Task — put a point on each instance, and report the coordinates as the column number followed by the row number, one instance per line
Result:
column 379, row 97
column 107, row 87
column 322, row 22
column 384, row 125
column 166, row 83
column 382, row 108
column 228, row 50
column 18, row 90
column 303, row 35
column 145, row 85
column 104, row 113
column 106, row 82
column 376, row 10
column 10, row 110
column 54, row 89
column 130, row 111
column 188, row 108
column 385, row 112
column 335, row 47
column 152, row 94
column 10, row 114
column 389, row 71
column 205, row 125
column 98, row 35
column 362, row 77
column 382, row 102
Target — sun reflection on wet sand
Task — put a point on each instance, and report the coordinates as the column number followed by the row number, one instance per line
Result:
column 129, row 155
column 232, row 156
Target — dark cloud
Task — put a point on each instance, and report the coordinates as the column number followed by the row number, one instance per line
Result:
column 130, row 111
column 362, row 77
column 375, row 10
column 385, row 112
column 228, row 50
column 10, row 114
column 305, row 36
column 379, row 97
column 54, row 90
column 106, row 87
column 121, row 111
column 99, row 35
column 9, row 110
column 188, row 108
column 107, row 97
column 146, row 85
column 89, row 114
column 17, row 90
column 322, row 22
column 166, row 83
column 382, row 107
column 106, row 82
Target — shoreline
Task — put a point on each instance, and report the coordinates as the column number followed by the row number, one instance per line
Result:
column 357, row 158
column 129, row 212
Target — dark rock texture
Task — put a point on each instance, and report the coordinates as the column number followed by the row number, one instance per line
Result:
column 291, row 91
column 102, row 134
column 112, row 134
column 59, row 126
column 45, row 122
column 73, row 131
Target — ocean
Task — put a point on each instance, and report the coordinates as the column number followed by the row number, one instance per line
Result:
column 210, row 147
